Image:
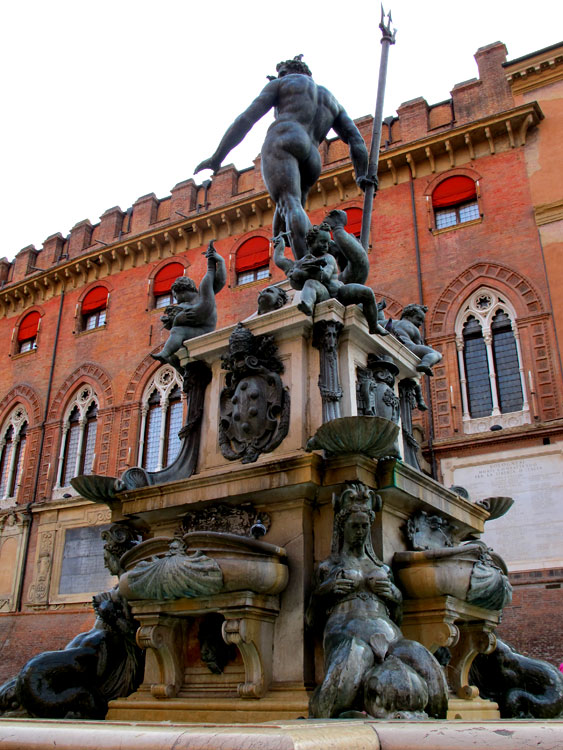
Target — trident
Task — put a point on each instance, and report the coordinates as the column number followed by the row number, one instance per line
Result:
column 387, row 39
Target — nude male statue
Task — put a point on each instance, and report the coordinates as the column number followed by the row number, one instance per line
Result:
column 291, row 164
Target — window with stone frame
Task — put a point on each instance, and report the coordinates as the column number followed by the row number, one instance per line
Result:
column 490, row 362
column 27, row 332
column 162, row 284
column 162, row 416
column 12, row 452
column 94, row 308
column 252, row 262
column 455, row 202
column 78, row 443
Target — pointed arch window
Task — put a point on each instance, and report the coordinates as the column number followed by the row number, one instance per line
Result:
column 162, row 416
column 12, row 452
column 490, row 362
column 79, row 437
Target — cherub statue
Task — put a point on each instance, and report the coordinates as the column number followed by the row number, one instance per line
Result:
column 407, row 330
column 317, row 276
column 196, row 312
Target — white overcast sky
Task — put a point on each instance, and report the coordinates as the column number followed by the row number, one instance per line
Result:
column 107, row 100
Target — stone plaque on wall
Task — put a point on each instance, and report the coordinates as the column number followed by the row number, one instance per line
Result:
column 530, row 535
column 82, row 569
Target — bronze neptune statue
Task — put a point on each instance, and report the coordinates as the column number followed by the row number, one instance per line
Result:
column 304, row 113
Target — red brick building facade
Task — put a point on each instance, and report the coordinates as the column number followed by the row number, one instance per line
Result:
column 468, row 221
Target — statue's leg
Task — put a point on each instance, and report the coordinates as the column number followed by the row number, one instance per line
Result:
column 357, row 268
column 429, row 358
column 358, row 294
column 174, row 342
column 346, row 666
column 288, row 166
column 312, row 292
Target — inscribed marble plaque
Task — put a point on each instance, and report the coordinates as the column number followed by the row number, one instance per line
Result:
column 83, row 569
column 530, row 535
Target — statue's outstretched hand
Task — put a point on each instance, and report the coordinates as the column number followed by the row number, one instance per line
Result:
column 211, row 252
column 210, row 163
column 365, row 180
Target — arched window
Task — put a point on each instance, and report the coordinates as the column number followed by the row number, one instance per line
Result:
column 354, row 224
column 12, row 452
column 253, row 260
column 27, row 332
column 489, row 357
column 94, row 306
column 455, row 201
column 163, row 281
column 161, row 420
column 79, row 437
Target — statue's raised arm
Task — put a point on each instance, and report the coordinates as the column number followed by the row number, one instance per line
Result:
column 243, row 124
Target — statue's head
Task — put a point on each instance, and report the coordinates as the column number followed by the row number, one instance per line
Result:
column 271, row 298
column 318, row 238
column 118, row 540
column 354, row 513
column 296, row 65
column 415, row 313
column 183, row 284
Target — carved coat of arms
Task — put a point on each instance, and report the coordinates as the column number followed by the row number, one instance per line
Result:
column 254, row 405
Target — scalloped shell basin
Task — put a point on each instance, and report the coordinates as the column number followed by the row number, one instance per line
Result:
column 247, row 564
column 430, row 573
column 372, row 436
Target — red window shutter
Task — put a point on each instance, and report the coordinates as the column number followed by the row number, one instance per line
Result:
column 354, row 225
column 452, row 191
column 96, row 299
column 28, row 326
column 166, row 277
column 254, row 253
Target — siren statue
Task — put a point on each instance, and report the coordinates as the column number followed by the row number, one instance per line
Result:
column 369, row 665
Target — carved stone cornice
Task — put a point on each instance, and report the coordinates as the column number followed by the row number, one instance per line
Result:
column 547, row 213
column 536, row 70
column 511, row 125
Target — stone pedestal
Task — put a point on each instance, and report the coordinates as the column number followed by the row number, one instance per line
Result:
column 466, row 630
column 279, row 661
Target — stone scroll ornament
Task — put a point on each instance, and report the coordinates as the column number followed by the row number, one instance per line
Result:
column 369, row 666
column 254, row 404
